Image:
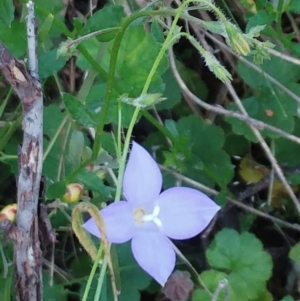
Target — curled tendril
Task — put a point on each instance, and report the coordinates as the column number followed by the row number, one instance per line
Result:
column 86, row 241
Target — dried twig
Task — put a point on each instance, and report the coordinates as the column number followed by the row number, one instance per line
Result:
column 28, row 262
column 221, row 111
column 267, row 150
column 285, row 57
column 253, row 127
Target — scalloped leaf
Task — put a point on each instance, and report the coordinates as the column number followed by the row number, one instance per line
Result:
column 212, row 280
column 242, row 257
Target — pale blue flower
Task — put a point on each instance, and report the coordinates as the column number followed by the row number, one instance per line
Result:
column 150, row 218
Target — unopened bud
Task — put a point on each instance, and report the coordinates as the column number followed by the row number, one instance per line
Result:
column 9, row 212
column 73, row 194
column 237, row 40
column 90, row 167
column 216, row 68
column 101, row 174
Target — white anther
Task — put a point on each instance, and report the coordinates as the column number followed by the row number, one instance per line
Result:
column 158, row 222
column 153, row 216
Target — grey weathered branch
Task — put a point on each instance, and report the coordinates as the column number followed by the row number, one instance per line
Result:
column 28, row 259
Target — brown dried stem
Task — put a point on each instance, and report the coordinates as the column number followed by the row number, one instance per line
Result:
column 28, row 259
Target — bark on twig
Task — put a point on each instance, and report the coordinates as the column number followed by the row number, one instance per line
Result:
column 28, row 261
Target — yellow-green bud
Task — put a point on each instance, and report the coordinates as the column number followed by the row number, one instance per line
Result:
column 9, row 212
column 101, row 174
column 73, row 193
column 237, row 40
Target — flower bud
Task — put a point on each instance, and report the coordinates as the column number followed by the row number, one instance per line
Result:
column 9, row 212
column 101, row 174
column 90, row 167
column 237, row 40
column 216, row 68
column 73, row 194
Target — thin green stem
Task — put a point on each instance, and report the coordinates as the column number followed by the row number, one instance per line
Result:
column 54, row 138
column 4, row 103
column 279, row 17
column 144, row 91
column 92, row 274
column 160, row 127
column 103, row 74
column 91, row 35
column 100, row 280
column 111, row 74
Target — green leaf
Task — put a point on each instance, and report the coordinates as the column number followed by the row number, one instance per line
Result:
column 287, row 298
column 285, row 150
column 14, row 38
column 294, row 6
column 193, row 81
column 271, row 106
column 91, row 181
column 205, row 141
column 6, row 284
column 78, row 111
column 172, row 91
column 49, row 63
column 53, row 292
column 277, row 8
column 56, row 190
column 157, row 32
column 211, row 279
column 236, row 145
column 7, row 12
column 294, row 253
column 262, row 17
column 44, row 29
column 289, row 73
column 94, row 102
column 53, row 6
column 76, row 147
column 265, row 296
column 109, row 16
column 170, row 125
column 93, row 46
column 138, row 51
column 248, row 266
column 56, row 138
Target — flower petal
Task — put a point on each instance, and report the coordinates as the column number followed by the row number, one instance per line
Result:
column 119, row 222
column 185, row 212
column 142, row 178
column 154, row 252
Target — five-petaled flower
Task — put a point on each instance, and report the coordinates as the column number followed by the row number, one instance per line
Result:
column 150, row 218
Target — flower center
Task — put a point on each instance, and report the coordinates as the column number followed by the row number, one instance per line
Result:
column 138, row 215
column 153, row 217
column 141, row 217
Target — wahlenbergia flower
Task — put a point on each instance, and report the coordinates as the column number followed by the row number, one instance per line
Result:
column 149, row 218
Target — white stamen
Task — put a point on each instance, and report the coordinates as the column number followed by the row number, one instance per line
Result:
column 153, row 217
column 156, row 210
column 158, row 222
column 148, row 218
